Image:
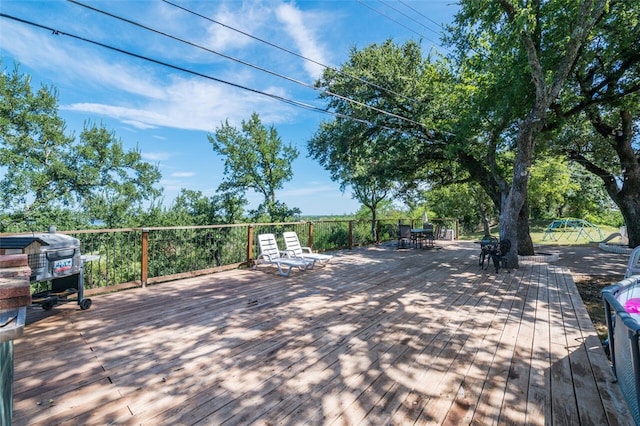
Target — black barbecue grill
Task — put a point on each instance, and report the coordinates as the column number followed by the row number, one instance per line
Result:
column 55, row 259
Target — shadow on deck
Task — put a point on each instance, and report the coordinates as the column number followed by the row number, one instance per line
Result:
column 379, row 336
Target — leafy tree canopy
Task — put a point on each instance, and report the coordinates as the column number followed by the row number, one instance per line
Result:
column 256, row 159
column 45, row 170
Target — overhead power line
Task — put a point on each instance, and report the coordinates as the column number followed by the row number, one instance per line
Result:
column 198, row 46
column 397, row 21
column 291, row 52
column 192, row 72
column 156, row 61
column 420, row 13
column 410, row 17
column 390, row 18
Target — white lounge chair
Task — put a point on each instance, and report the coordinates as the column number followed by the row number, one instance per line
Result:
column 294, row 249
column 269, row 253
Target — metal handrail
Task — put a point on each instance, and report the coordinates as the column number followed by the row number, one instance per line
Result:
column 133, row 257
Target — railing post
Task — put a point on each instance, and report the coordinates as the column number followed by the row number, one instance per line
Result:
column 144, row 262
column 250, row 244
column 310, row 242
column 350, row 234
column 15, row 296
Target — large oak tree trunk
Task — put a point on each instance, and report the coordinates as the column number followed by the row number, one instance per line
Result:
column 589, row 12
column 630, row 209
column 509, row 217
column 525, row 243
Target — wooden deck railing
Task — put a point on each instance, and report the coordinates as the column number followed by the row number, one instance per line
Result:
column 132, row 257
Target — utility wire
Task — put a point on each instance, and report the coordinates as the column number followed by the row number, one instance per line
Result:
column 175, row 67
column 198, row 46
column 188, row 71
column 437, row 44
column 419, row 13
column 307, row 85
column 362, row 80
column 395, row 21
column 409, row 17
column 439, row 25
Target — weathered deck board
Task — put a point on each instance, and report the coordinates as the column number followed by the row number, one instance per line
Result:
column 538, row 396
column 379, row 336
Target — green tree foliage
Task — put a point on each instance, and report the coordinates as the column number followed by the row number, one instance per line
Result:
column 256, row 159
column 387, row 102
column 192, row 208
column 549, row 188
column 464, row 201
column 32, row 136
column 112, row 184
column 595, row 121
column 559, row 188
column 356, row 165
column 589, row 200
column 45, row 171
column 390, row 112
column 535, row 45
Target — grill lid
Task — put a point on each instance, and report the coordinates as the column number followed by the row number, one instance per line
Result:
column 51, row 239
column 19, row 242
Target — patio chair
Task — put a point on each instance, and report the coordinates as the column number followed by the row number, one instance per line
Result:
column 270, row 254
column 428, row 236
column 487, row 246
column 296, row 250
column 404, row 235
column 498, row 255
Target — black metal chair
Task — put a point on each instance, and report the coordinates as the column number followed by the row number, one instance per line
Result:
column 499, row 255
column 392, row 230
column 487, row 246
column 428, row 235
column 404, row 235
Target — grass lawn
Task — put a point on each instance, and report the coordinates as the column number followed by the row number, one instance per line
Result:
column 537, row 235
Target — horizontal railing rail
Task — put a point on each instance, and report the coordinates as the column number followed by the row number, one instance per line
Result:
column 130, row 257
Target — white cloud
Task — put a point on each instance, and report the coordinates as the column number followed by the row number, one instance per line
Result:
column 248, row 19
column 146, row 96
column 171, row 184
column 144, row 117
column 183, row 174
column 67, row 61
column 193, row 105
column 301, row 28
column 155, row 156
column 138, row 124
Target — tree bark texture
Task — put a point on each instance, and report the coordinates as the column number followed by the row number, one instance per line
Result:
column 525, row 243
column 509, row 217
column 588, row 13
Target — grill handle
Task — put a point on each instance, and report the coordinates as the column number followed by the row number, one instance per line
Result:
column 60, row 254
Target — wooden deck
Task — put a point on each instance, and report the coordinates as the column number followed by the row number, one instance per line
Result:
column 379, row 337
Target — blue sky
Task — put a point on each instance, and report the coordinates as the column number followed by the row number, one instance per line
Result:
column 168, row 113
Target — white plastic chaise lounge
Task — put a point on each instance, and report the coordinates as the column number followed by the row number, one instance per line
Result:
column 294, row 249
column 269, row 253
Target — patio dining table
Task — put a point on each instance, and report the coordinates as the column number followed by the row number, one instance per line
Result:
column 420, row 235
